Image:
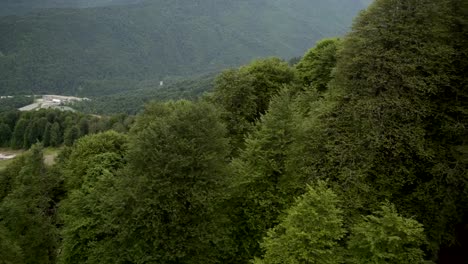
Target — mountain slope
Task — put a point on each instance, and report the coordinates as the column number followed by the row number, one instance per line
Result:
column 104, row 50
column 18, row 7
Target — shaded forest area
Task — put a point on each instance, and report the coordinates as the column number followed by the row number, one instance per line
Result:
column 356, row 154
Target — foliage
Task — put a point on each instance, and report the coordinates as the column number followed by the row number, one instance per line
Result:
column 10, row 252
column 244, row 94
column 71, row 134
column 177, row 160
column 316, row 67
column 5, row 135
column 92, row 151
column 380, row 115
column 262, row 188
column 383, row 130
column 90, row 177
column 28, row 211
column 386, row 237
column 53, row 127
column 310, row 232
column 396, row 137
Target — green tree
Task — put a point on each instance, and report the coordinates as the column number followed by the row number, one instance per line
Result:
column 176, row 178
column 10, row 118
column 5, row 134
column 262, row 189
column 403, row 91
column 18, row 133
column 310, row 232
column 386, row 237
column 316, row 67
column 47, row 135
column 235, row 94
column 71, row 134
column 86, row 153
column 90, row 175
column 83, row 126
column 392, row 124
column 28, row 211
column 10, row 252
column 9, row 174
column 33, row 133
column 244, row 94
column 55, row 135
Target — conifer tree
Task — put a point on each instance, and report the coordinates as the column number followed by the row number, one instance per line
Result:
column 71, row 134
column 18, row 134
column 5, row 134
column 47, row 134
column 55, row 135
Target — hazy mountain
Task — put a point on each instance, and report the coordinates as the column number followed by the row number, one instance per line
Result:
column 18, row 7
column 107, row 49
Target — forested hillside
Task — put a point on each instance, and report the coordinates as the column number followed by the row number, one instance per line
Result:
column 21, row 7
column 133, row 102
column 356, row 154
column 103, row 50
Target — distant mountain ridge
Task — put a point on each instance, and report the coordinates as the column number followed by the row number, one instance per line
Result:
column 103, row 50
column 21, row 7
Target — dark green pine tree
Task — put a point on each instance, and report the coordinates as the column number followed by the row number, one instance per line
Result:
column 47, row 135
column 18, row 133
column 5, row 135
column 55, row 135
column 71, row 134
column 34, row 132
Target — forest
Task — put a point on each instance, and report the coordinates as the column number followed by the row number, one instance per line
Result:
column 132, row 102
column 357, row 153
column 21, row 130
column 114, row 48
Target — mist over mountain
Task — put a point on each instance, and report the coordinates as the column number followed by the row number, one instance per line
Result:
column 120, row 43
column 18, row 7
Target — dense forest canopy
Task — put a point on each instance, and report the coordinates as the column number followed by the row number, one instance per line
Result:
column 104, row 50
column 357, row 153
